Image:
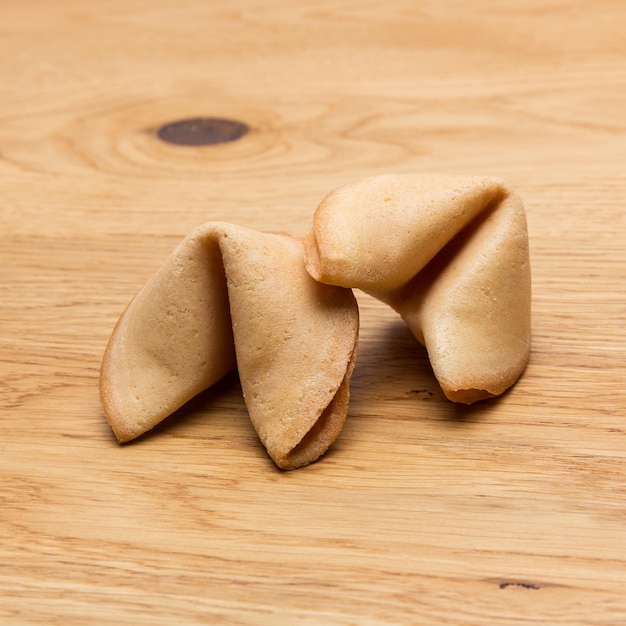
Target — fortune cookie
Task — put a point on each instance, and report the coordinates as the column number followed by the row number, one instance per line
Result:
column 450, row 254
column 231, row 297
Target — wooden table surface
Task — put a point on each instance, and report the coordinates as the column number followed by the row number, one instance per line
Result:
column 510, row 512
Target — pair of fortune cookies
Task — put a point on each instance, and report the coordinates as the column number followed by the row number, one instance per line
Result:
column 450, row 254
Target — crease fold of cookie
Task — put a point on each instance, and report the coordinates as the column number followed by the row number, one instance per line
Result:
column 231, row 297
column 450, row 254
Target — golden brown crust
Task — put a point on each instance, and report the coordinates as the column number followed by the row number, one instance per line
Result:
column 229, row 292
column 450, row 254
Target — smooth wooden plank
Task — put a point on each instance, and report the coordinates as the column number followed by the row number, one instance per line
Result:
column 510, row 512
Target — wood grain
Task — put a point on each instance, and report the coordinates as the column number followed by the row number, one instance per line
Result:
column 510, row 512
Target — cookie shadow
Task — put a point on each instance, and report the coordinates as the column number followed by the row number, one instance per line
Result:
column 393, row 367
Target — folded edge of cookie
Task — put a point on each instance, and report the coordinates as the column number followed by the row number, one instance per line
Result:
column 231, row 297
column 451, row 255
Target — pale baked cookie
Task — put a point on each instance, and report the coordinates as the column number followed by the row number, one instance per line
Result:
column 450, row 254
column 230, row 296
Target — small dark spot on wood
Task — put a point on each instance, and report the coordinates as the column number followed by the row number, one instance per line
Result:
column 422, row 392
column 504, row 585
column 202, row 131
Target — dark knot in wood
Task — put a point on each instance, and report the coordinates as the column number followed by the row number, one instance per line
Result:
column 202, row 131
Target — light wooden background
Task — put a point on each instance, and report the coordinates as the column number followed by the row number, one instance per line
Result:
column 513, row 512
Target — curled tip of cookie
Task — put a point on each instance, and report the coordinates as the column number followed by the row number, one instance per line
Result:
column 450, row 254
